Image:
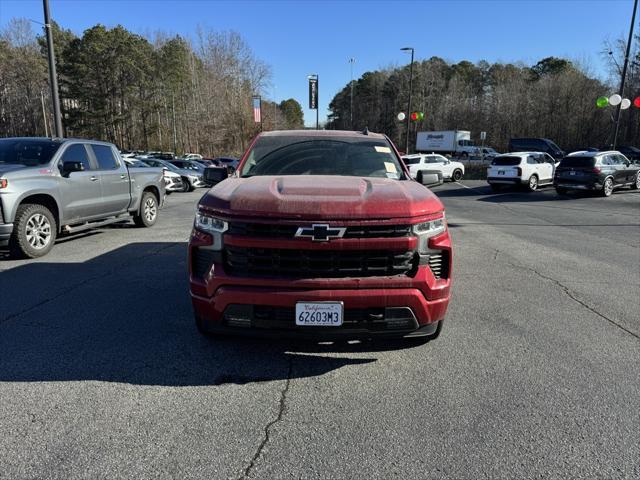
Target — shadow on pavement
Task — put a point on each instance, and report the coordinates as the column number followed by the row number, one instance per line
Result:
column 125, row 316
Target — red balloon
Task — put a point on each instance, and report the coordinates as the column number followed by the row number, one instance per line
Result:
column 636, row 102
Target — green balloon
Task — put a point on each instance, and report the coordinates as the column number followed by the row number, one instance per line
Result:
column 602, row 102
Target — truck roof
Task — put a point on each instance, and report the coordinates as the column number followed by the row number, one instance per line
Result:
column 322, row 133
column 56, row 140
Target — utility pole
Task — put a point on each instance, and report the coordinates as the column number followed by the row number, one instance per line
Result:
column 275, row 111
column 44, row 114
column 175, row 135
column 406, row 49
column 624, row 73
column 53, row 77
column 351, row 61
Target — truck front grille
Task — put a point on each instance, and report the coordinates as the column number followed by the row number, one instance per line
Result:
column 267, row 230
column 318, row 263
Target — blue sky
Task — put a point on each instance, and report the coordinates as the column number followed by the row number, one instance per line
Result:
column 297, row 38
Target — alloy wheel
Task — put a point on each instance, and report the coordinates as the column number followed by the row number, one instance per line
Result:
column 38, row 231
column 150, row 209
column 608, row 187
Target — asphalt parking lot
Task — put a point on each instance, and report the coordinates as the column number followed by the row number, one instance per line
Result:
column 536, row 373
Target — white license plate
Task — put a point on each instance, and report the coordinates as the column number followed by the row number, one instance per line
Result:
column 319, row 314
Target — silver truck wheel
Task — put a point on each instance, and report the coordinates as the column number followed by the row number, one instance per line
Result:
column 148, row 212
column 34, row 232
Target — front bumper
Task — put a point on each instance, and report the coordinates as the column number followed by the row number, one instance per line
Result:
column 174, row 185
column 5, row 233
column 393, row 306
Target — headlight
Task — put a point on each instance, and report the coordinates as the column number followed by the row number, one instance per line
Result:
column 210, row 224
column 426, row 230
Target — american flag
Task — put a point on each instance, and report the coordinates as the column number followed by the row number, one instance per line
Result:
column 257, row 115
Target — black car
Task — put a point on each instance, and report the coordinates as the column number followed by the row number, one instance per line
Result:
column 632, row 153
column 596, row 171
column 229, row 162
column 536, row 145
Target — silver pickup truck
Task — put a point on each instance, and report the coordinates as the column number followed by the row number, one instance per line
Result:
column 50, row 187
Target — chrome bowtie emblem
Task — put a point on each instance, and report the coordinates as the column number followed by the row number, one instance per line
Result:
column 320, row 232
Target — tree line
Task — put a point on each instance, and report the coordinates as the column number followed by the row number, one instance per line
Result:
column 162, row 93
column 555, row 98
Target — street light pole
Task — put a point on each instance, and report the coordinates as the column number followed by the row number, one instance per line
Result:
column 351, row 61
column 53, row 77
column 406, row 49
column 624, row 73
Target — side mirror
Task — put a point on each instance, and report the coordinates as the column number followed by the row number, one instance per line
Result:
column 70, row 167
column 214, row 175
column 429, row 178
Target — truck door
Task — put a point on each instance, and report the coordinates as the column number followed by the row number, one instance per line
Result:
column 114, row 179
column 80, row 193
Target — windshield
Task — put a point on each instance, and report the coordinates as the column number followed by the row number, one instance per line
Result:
column 344, row 156
column 30, row 153
column 506, row 161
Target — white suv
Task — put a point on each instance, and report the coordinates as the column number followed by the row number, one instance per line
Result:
column 532, row 169
column 419, row 161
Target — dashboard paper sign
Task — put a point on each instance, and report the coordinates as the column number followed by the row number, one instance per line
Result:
column 313, row 93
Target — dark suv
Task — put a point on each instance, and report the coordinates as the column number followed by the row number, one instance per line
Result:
column 596, row 171
column 536, row 145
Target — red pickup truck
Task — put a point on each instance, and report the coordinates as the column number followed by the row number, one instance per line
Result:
column 320, row 234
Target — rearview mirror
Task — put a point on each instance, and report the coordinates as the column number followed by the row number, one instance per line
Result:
column 429, row 178
column 70, row 167
column 214, row 175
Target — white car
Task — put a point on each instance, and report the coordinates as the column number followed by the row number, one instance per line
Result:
column 488, row 153
column 192, row 156
column 531, row 169
column 450, row 170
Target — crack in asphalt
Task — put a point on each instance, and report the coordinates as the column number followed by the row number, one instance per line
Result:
column 570, row 294
column 117, row 268
column 267, row 429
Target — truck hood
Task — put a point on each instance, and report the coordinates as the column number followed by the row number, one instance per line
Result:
column 9, row 167
column 321, row 197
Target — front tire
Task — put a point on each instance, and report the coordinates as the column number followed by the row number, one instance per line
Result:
column 148, row 212
column 34, row 233
column 532, row 186
column 464, row 155
column 636, row 184
column 186, row 185
column 457, row 175
column 607, row 187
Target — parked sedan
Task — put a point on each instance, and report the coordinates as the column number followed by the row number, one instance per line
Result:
column 191, row 179
column 596, row 171
column 450, row 170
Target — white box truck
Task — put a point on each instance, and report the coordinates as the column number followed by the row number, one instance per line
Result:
column 454, row 142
